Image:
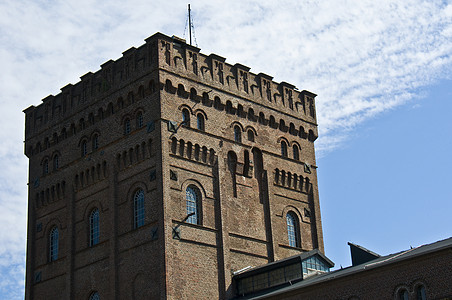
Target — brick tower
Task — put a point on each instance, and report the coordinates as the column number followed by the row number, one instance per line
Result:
column 164, row 172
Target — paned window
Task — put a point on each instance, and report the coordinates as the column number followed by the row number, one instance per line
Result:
column 127, row 128
column 94, row 296
column 292, row 229
column 283, row 149
column 420, row 293
column 84, row 148
column 138, row 208
column 314, row 263
column 193, row 199
column 53, row 244
column 237, row 134
column 250, row 135
column 56, row 162
column 186, row 117
column 139, row 120
column 45, row 167
column 94, row 227
column 200, row 121
column 403, row 295
column 296, row 152
column 95, row 142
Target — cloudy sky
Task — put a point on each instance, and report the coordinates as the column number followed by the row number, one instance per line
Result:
column 382, row 70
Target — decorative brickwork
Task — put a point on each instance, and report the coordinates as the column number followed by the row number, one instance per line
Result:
column 160, row 119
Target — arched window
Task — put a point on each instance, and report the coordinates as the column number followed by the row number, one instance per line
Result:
column 139, row 119
column 94, row 228
column 292, row 230
column 250, row 135
column 127, row 128
column 84, row 148
column 56, row 162
column 200, row 121
column 138, row 208
column 193, row 200
column 403, row 295
column 420, row 293
column 193, row 94
column 95, row 142
column 94, row 296
column 53, row 244
column 296, row 152
column 45, row 167
column 82, row 124
column 283, row 149
column 186, row 117
column 237, row 134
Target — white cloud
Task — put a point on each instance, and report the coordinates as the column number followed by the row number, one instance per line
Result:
column 361, row 57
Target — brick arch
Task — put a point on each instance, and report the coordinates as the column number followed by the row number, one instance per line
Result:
column 44, row 159
column 55, row 221
column 136, row 186
column 182, row 106
column 201, row 111
column 95, row 131
column 90, row 207
column 281, row 138
column 196, row 183
column 82, row 139
column 295, row 143
column 238, row 124
column 291, row 208
column 249, row 127
column 138, row 110
column 400, row 288
column 124, row 117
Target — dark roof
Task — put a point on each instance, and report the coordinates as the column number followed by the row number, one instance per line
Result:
column 376, row 263
column 361, row 255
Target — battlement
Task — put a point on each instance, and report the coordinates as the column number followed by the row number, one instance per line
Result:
column 174, row 55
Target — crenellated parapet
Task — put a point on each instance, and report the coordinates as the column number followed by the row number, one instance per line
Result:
column 178, row 57
column 109, row 89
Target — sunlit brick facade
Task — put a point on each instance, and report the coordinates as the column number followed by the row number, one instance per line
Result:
column 164, row 172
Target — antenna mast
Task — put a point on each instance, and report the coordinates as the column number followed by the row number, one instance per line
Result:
column 189, row 22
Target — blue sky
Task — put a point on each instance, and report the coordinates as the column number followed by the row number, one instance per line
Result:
column 382, row 71
column 388, row 187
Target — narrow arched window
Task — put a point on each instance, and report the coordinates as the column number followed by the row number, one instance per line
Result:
column 127, row 128
column 250, row 135
column 185, row 117
column 296, row 152
column 200, row 121
column 84, row 148
column 82, row 124
column 403, row 295
column 283, row 149
column 193, row 200
column 95, row 142
column 56, row 162
column 45, row 167
column 420, row 293
column 139, row 119
column 53, row 244
column 94, row 296
column 237, row 134
column 94, row 227
column 138, row 208
column 292, row 230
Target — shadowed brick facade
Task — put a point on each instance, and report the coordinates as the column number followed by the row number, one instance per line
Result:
column 419, row 273
column 173, row 124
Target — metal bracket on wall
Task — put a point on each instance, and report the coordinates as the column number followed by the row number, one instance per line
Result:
column 176, row 229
